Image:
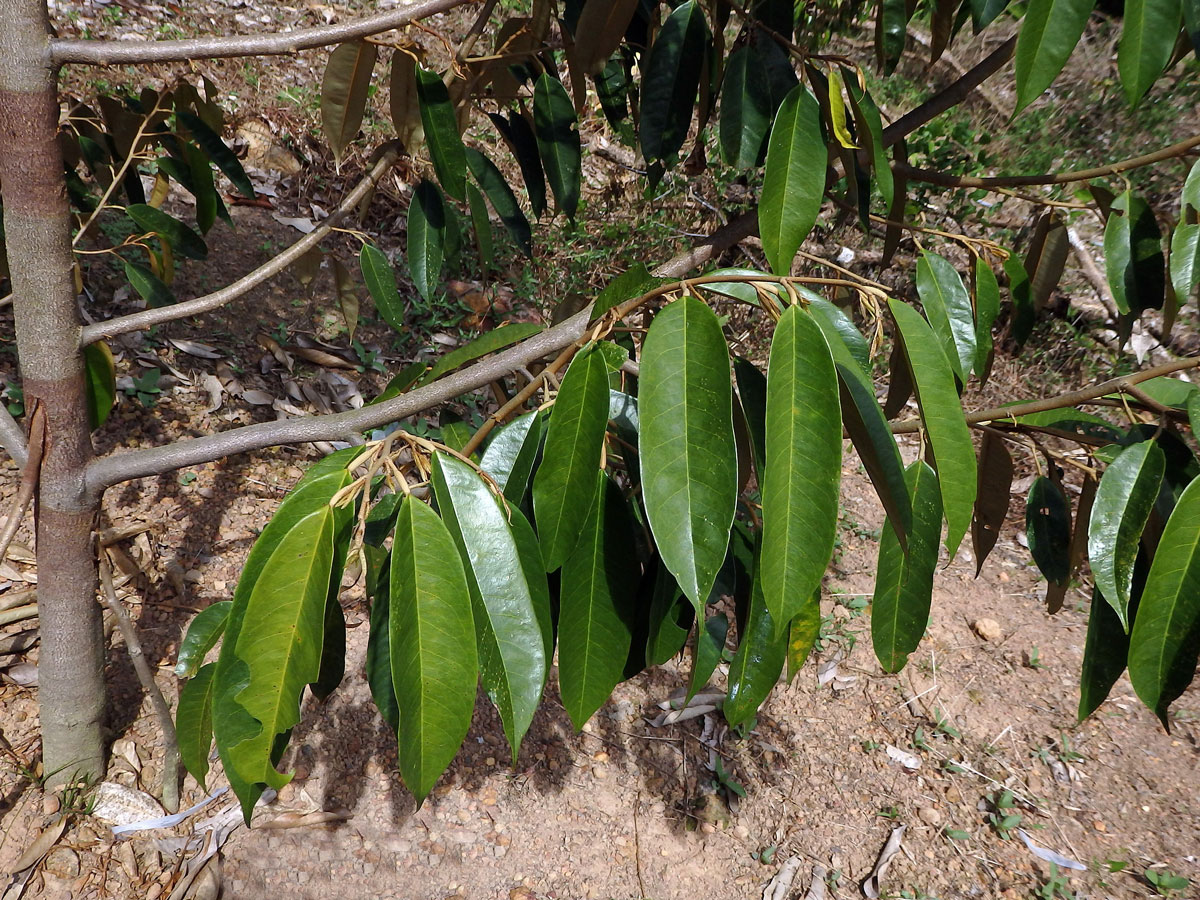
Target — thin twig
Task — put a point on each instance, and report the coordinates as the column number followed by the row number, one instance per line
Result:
column 18, row 614
column 171, row 762
column 29, row 478
column 118, row 52
column 637, row 845
column 12, row 436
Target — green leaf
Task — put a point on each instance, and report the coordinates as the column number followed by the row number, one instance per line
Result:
column 1021, row 293
column 281, row 637
column 671, row 613
column 379, row 661
column 100, row 371
column 1049, row 33
column 426, row 237
column 745, row 108
column 706, row 654
column 904, row 580
column 1185, row 260
column 992, row 497
column 1165, row 640
column 333, row 645
column 381, row 283
column 891, row 29
column 869, row 125
column 565, row 483
column 489, row 178
column 148, row 285
column 1123, row 504
column 518, row 134
column 794, row 180
column 803, row 466
column 182, row 239
column 193, row 722
column 481, row 225
column 344, row 89
column 987, row 308
column 984, row 12
column 1105, row 651
column 510, row 632
column 216, row 150
column 633, row 282
column 761, row 654
column 202, row 635
column 802, row 634
column 432, row 646
column 202, row 187
column 445, row 144
column 488, row 342
column 670, row 78
column 840, row 332
column 752, row 393
column 509, row 456
column 1133, row 258
column 599, row 583
column 554, row 125
column 1148, row 34
column 1191, row 23
column 948, row 309
column 687, row 449
column 949, row 439
column 1048, row 529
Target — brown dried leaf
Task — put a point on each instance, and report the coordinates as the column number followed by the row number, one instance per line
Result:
column 40, row 847
column 344, row 93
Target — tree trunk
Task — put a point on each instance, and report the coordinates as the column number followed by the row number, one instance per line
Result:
column 37, row 227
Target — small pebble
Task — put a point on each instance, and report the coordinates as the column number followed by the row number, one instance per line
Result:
column 51, row 804
column 741, row 832
column 987, row 629
column 929, row 815
column 707, row 828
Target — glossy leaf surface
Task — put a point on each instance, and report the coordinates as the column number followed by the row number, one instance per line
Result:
column 1148, row 34
column 948, row 309
column 193, row 722
column 202, row 635
column 381, row 284
column 509, row 456
column 671, row 77
column 1049, row 32
column 558, row 141
column 992, row 497
column 1048, row 528
column 794, row 180
column 442, row 138
column 758, row 663
column 426, row 238
column 344, row 93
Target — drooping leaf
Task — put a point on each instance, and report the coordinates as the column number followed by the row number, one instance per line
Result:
column 344, row 93
column 599, row 584
column 984, row 12
column 669, row 81
column 203, row 188
column 381, row 283
column 800, row 485
column 802, row 635
column 1049, row 32
column 280, row 639
column 599, row 31
column 148, row 285
column 891, row 29
column 426, row 237
column 949, row 439
column 1148, row 34
column 555, row 127
column 404, row 105
column 1165, row 641
column 481, row 226
column 1106, row 648
column 488, row 342
column 442, row 137
column 347, row 295
column 987, row 308
column 1048, row 528
column 432, row 646
column 379, row 659
column 671, row 613
column 100, row 371
column 869, row 125
column 512, row 647
column 509, row 456
column 518, row 134
column 1191, row 23
column 1123, row 504
column 992, row 496
column 687, row 449
column 565, row 483
column 941, row 25
column 706, row 654
column 758, row 663
column 181, row 239
column 752, row 393
column 745, row 108
column 904, row 580
column 1021, row 294
column 1185, row 260
column 193, row 722
column 836, row 324
column 1046, row 258
column 217, row 151
column 948, row 309
column 1133, row 257
column 839, row 123
column 794, row 180
column 500, row 195
column 202, row 635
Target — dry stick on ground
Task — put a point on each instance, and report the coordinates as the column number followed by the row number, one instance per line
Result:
column 12, row 437
column 171, row 761
column 29, row 478
column 62, row 51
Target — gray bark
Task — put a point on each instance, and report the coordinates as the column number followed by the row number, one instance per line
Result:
column 37, row 228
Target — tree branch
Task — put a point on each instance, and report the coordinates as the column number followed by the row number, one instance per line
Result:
column 1002, row 181
column 1063, row 401
column 12, row 437
column 111, row 53
column 158, row 315
column 118, row 467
